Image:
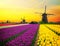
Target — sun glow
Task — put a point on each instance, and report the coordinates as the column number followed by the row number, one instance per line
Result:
column 14, row 10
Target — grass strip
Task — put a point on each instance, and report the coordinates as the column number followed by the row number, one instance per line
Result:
column 53, row 30
column 33, row 41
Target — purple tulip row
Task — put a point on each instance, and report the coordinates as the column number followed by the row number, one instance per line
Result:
column 26, row 38
column 8, row 32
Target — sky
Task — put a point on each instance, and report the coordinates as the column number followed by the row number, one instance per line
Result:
column 16, row 10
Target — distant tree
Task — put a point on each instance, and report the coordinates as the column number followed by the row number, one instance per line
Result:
column 58, row 22
column 33, row 22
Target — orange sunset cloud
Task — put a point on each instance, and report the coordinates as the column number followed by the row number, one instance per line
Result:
column 56, row 11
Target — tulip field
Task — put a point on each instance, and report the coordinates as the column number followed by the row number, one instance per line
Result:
column 48, row 35
column 30, row 35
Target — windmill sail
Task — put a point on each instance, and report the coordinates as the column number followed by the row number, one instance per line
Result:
column 45, row 8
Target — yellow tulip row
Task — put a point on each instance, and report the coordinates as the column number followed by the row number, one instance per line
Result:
column 46, row 37
column 55, row 27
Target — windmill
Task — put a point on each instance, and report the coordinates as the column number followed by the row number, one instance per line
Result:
column 44, row 16
column 23, row 21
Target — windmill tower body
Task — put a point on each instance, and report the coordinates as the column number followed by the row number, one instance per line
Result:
column 23, row 21
column 44, row 18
